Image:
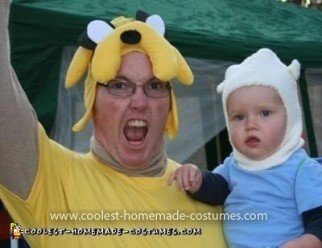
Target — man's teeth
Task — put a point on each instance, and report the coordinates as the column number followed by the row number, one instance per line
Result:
column 137, row 123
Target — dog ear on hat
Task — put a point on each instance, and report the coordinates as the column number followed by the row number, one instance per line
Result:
column 157, row 23
column 153, row 20
column 184, row 73
column 172, row 123
column 295, row 69
column 94, row 33
column 78, row 66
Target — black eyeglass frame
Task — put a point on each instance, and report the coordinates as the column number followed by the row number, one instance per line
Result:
column 133, row 87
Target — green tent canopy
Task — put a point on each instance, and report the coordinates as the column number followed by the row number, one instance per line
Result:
column 226, row 30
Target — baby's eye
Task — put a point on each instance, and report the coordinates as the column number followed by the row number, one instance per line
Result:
column 238, row 117
column 265, row 113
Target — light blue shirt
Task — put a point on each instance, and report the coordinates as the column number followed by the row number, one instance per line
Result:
column 278, row 196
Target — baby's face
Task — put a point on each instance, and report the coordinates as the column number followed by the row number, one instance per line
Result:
column 257, row 121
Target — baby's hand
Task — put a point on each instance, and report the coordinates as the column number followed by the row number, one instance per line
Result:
column 306, row 240
column 188, row 177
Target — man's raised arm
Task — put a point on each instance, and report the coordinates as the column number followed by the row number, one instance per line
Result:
column 18, row 123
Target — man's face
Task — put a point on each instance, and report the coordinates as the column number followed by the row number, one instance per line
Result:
column 131, row 128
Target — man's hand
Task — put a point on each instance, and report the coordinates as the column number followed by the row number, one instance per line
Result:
column 188, row 177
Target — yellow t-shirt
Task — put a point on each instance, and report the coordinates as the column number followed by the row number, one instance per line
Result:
column 132, row 211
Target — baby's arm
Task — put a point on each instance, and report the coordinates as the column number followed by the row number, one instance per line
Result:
column 204, row 186
column 312, row 221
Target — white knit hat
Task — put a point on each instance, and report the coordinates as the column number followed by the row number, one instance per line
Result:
column 264, row 68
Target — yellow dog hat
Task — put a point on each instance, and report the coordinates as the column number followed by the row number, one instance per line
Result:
column 100, row 51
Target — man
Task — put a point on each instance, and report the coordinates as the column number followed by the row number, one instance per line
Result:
column 119, row 189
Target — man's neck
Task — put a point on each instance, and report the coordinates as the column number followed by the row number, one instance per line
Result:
column 156, row 167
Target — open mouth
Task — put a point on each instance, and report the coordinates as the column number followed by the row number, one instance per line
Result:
column 252, row 141
column 135, row 131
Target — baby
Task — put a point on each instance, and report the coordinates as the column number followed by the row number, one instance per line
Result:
column 268, row 171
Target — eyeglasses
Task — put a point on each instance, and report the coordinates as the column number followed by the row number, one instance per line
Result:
column 154, row 88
